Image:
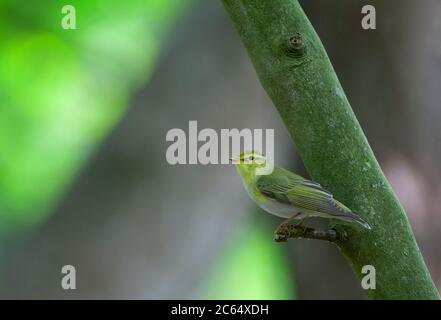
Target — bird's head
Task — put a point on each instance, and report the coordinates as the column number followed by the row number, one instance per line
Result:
column 248, row 162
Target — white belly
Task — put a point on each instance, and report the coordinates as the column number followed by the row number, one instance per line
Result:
column 279, row 209
column 274, row 207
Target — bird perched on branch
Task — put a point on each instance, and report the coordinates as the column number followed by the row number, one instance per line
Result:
column 288, row 195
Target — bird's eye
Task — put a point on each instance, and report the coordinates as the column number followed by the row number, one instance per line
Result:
column 252, row 158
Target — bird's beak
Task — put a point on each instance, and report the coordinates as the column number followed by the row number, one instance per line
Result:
column 234, row 160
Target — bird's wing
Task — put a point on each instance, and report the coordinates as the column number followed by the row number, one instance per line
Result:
column 317, row 200
column 277, row 184
column 300, row 192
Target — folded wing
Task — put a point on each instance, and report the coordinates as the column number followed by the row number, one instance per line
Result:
column 287, row 187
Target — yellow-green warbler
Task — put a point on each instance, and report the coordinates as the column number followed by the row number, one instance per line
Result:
column 288, row 195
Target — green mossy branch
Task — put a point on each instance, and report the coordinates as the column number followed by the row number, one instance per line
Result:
column 302, row 232
column 295, row 70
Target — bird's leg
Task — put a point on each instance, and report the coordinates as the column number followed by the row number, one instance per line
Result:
column 301, row 225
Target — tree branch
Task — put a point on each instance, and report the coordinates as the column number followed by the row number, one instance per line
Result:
column 301, row 232
column 295, row 70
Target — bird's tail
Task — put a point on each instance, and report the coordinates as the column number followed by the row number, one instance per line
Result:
column 351, row 216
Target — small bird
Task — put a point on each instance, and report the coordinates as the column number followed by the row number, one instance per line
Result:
column 288, row 195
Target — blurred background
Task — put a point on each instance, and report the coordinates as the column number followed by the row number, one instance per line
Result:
column 83, row 175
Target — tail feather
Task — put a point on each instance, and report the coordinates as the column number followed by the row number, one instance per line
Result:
column 350, row 216
column 346, row 214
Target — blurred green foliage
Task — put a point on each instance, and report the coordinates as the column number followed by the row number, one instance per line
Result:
column 251, row 266
column 62, row 91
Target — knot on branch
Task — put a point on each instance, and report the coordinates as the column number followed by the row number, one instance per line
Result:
column 297, row 47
